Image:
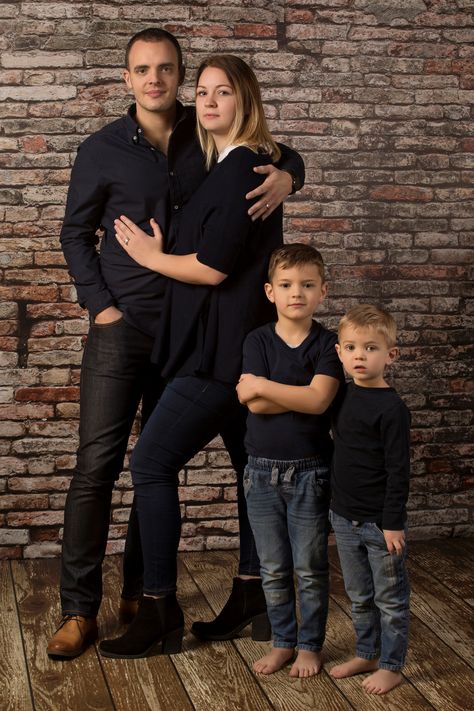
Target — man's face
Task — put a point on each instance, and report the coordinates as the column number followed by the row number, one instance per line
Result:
column 153, row 75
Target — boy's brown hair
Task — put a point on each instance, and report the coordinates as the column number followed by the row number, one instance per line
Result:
column 295, row 255
column 370, row 316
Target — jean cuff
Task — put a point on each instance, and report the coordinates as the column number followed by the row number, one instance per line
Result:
column 82, row 613
column 309, row 647
column 367, row 655
column 278, row 644
column 391, row 667
column 160, row 593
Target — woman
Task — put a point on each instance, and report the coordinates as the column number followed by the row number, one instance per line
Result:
column 215, row 297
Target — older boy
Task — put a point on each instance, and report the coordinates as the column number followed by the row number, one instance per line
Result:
column 291, row 375
column 369, row 482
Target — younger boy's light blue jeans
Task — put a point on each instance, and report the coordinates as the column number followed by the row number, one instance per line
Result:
column 376, row 582
column 287, row 505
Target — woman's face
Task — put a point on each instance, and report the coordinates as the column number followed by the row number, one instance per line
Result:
column 215, row 104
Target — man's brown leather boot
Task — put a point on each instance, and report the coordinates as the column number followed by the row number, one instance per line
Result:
column 74, row 634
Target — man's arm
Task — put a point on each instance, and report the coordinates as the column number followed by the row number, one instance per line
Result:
column 283, row 179
column 84, row 210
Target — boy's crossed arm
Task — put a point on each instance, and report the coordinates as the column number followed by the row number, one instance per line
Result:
column 267, row 397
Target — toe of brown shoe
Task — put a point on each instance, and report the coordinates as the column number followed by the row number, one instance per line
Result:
column 74, row 634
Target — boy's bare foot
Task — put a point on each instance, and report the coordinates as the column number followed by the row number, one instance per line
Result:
column 278, row 657
column 354, row 666
column 381, row 681
column 306, row 664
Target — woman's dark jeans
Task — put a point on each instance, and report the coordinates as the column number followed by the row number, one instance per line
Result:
column 189, row 414
column 116, row 373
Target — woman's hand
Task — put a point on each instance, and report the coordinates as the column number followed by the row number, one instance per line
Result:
column 274, row 189
column 142, row 248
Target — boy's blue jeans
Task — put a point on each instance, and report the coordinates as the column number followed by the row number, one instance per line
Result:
column 377, row 584
column 287, row 504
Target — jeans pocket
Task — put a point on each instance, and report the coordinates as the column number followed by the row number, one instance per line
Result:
column 101, row 326
column 247, row 481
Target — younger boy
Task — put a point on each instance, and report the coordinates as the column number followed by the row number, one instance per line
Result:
column 291, row 375
column 369, row 484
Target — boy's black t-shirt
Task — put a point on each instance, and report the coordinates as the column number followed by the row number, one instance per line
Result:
column 371, row 463
column 290, row 435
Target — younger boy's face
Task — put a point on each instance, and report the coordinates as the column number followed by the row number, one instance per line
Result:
column 364, row 353
column 296, row 291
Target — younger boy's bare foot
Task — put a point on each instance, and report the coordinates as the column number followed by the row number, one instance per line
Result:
column 381, row 681
column 306, row 664
column 354, row 666
column 275, row 660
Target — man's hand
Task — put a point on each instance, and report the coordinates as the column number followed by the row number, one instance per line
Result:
column 395, row 541
column 108, row 315
column 275, row 188
column 247, row 387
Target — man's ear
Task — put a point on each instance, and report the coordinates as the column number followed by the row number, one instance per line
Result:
column 269, row 292
column 182, row 74
column 126, row 78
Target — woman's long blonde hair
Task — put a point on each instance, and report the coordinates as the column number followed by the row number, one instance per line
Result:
column 250, row 125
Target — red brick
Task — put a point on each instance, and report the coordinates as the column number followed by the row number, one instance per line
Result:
column 254, row 30
column 321, row 224
column 47, row 394
column 393, row 192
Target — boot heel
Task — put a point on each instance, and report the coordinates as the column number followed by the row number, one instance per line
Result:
column 261, row 628
column 173, row 642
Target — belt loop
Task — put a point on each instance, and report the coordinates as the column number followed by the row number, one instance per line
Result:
column 274, row 479
column 289, row 473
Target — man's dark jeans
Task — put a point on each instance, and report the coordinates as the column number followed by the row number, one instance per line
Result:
column 116, row 374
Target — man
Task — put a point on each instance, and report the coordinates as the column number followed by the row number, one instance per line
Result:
column 146, row 164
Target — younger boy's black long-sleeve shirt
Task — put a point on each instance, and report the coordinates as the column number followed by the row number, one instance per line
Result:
column 371, row 463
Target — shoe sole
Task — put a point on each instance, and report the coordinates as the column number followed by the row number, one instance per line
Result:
column 164, row 648
column 231, row 635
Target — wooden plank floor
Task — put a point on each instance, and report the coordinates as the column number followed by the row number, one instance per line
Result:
column 218, row 676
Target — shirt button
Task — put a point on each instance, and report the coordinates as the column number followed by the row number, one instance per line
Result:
column 171, row 173
column 175, row 207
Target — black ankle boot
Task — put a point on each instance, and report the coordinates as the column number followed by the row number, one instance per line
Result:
column 245, row 605
column 158, row 622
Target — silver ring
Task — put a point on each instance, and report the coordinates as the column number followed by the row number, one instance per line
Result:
column 267, row 206
column 127, row 240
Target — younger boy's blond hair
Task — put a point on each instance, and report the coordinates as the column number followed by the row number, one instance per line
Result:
column 371, row 316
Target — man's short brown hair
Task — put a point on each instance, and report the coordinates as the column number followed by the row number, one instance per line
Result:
column 295, row 255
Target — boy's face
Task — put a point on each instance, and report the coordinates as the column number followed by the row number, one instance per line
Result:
column 296, row 291
column 364, row 354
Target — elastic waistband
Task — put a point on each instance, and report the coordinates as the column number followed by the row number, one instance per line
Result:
column 282, row 465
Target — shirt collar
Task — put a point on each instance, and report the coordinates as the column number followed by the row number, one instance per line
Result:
column 135, row 133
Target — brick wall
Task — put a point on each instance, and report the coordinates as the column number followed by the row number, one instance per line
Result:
column 376, row 96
